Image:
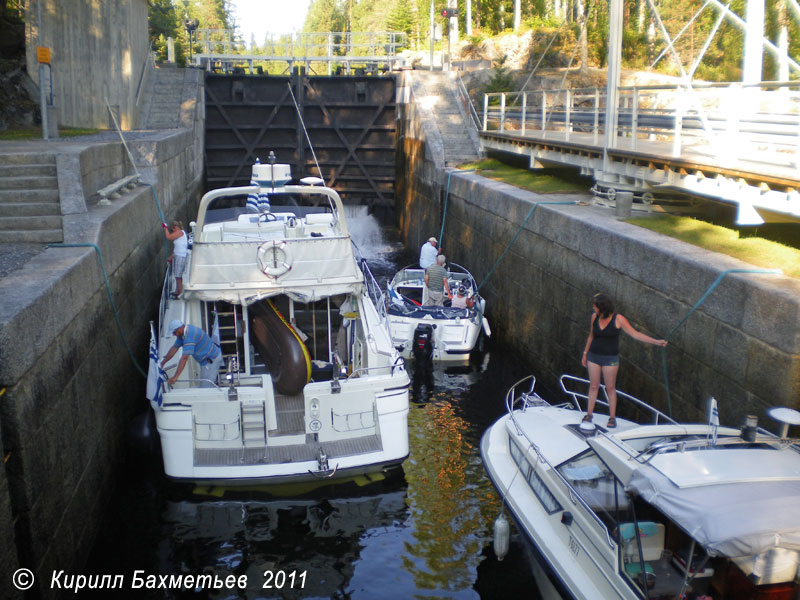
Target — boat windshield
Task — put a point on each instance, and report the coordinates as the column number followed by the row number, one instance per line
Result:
column 596, row 484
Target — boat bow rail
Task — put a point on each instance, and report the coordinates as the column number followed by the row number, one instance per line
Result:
column 568, row 384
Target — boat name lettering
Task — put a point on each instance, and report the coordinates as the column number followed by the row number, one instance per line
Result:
column 573, row 545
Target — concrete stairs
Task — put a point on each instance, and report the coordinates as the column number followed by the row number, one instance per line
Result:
column 162, row 108
column 30, row 210
column 458, row 145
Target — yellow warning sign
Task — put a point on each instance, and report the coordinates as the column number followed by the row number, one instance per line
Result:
column 43, row 54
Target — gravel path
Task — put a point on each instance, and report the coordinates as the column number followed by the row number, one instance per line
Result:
column 13, row 256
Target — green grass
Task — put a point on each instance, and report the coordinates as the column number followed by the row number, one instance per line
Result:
column 34, row 133
column 753, row 250
column 541, row 182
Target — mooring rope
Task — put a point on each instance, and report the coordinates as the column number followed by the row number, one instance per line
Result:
column 310, row 145
column 110, row 298
column 519, row 230
column 692, row 310
column 446, row 196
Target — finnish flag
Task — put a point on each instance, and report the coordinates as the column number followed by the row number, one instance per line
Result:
column 215, row 329
column 155, row 374
column 713, row 419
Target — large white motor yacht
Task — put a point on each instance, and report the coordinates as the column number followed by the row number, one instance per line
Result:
column 311, row 385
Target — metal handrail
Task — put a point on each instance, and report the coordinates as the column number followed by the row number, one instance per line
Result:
column 703, row 113
column 466, row 101
column 361, row 370
column 149, row 61
column 657, row 414
column 306, row 44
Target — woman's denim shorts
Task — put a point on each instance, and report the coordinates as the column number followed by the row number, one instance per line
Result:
column 603, row 360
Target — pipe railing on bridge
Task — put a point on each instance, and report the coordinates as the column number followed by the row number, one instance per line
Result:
column 727, row 120
column 220, row 45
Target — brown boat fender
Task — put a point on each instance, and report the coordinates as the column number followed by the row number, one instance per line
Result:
column 282, row 350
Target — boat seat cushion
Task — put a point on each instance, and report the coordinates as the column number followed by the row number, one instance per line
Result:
column 319, row 219
column 651, row 535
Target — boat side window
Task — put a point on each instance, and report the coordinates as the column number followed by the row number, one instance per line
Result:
column 528, row 471
column 596, row 485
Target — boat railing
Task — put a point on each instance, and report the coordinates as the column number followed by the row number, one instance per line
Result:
column 366, row 370
column 376, row 294
column 162, row 303
column 191, row 383
column 531, row 398
column 602, row 398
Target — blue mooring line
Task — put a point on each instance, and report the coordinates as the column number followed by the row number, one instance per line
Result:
column 160, row 216
column 519, row 230
column 446, row 196
column 110, row 297
column 694, row 308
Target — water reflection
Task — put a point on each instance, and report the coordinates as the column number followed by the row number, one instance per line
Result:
column 322, row 542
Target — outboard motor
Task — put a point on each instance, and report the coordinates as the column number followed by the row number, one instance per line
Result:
column 422, row 351
column 422, row 346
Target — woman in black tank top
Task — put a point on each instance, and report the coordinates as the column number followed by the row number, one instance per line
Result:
column 601, row 354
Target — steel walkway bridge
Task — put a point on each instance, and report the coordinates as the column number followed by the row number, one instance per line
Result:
column 324, row 53
column 728, row 142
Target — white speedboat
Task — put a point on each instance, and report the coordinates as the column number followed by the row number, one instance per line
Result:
column 311, row 385
column 440, row 333
column 647, row 510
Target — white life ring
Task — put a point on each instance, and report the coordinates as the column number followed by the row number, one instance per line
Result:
column 274, row 258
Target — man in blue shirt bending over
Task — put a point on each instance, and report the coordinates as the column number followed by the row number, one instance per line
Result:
column 198, row 344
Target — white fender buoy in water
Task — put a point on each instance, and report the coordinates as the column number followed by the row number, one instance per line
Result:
column 502, row 534
column 487, row 330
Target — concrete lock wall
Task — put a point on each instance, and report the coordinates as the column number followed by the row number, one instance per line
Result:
column 742, row 345
column 71, row 387
column 99, row 53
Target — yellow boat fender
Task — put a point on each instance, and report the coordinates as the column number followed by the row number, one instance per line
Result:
column 274, row 258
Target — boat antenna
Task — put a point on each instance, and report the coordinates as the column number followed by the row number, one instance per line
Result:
column 310, row 145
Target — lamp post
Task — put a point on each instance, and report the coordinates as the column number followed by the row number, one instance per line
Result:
column 191, row 25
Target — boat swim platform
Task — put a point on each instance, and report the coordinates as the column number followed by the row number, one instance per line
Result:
column 263, row 455
column 290, row 413
column 762, row 183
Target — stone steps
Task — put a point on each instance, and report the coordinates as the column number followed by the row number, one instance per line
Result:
column 458, row 145
column 27, row 159
column 25, row 182
column 30, row 207
column 164, row 108
column 30, row 223
column 29, row 195
column 28, row 170
column 44, row 236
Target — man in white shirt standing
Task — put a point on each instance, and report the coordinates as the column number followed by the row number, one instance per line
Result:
column 428, row 253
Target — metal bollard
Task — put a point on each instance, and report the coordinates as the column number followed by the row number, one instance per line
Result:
column 624, row 202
